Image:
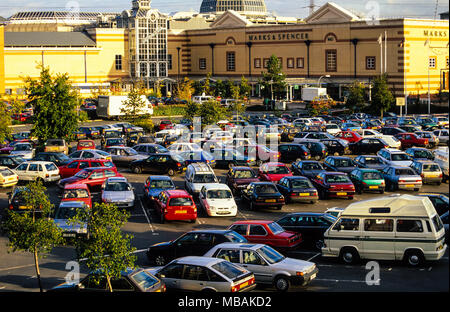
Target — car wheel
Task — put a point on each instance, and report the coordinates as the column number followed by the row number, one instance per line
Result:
column 282, row 283
column 160, row 261
column 136, row 170
column 414, row 258
column 170, row 172
column 349, row 256
column 382, row 192
column 350, row 197
column 162, row 220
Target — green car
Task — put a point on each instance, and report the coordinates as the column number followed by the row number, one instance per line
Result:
column 367, row 180
column 427, row 123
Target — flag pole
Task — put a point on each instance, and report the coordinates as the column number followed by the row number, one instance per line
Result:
column 385, row 51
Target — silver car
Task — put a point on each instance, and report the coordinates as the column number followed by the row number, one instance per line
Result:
column 64, row 213
column 24, row 150
column 123, row 156
column 117, row 190
column 90, row 154
column 269, row 266
column 205, row 274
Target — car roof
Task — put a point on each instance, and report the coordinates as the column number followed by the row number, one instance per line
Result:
column 251, row 246
column 204, row 261
column 116, row 179
column 159, row 177
column 216, row 186
column 305, row 214
column 75, row 186
column 253, row 222
column 72, row 203
column 295, row 178
column 177, row 193
column 278, row 164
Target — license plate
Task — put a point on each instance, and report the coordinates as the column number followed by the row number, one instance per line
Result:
column 341, row 194
column 409, row 185
column 313, row 276
column 433, row 175
column 373, row 187
column 23, row 207
column 181, row 211
column 304, row 194
column 270, row 200
column 68, row 235
column 243, row 285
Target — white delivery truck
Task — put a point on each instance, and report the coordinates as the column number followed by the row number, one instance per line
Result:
column 396, row 227
column 310, row 94
column 110, row 106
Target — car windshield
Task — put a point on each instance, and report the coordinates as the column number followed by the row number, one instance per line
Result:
column 219, row 194
column 51, row 167
column 178, row 158
column 266, row 189
column 82, row 174
column 66, row 212
column 22, row 147
column 337, row 179
column 437, row 222
column 277, row 170
column 343, row 163
column 404, row 171
column 228, row 269
column 235, row 237
column 117, row 187
column 161, row 184
column 5, row 172
column 204, row 178
column 300, row 183
column 312, row 166
column 115, row 142
column 372, row 176
column 131, row 152
column 244, row 174
column 161, row 149
column 270, row 255
column 62, row 157
column 400, row 157
column 55, row 143
column 75, row 193
column 431, row 168
column 181, row 201
column 144, row 280
column 275, row 228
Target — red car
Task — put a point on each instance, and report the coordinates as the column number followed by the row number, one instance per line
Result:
column 349, row 136
column 333, row 184
column 176, row 205
column 165, row 124
column 273, row 172
column 77, row 192
column 79, row 164
column 92, row 177
column 266, row 232
column 411, row 139
column 85, row 144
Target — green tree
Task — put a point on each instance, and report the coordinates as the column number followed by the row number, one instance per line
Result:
column 55, row 105
column 134, row 105
column 5, row 122
column 273, row 80
column 220, row 88
column 185, row 89
column 206, row 87
column 382, row 98
column 355, row 100
column 244, row 88
column 107, row 249
column 31, row 230
column 211, row 112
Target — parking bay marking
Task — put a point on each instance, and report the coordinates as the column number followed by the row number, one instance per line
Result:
column 148, row 219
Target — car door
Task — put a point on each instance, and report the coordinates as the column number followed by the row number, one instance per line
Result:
column 258, row 234
column 284, row 153
column 171, row 275
column 321, row 224
column 283, row 186
column 253, row 262
column 21, row 171
column 32, row 172
column 187, row 246
column 151, row 164
column 95, row 180
column 205, row 241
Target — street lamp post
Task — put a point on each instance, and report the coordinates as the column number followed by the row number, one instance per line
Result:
column 326, row 76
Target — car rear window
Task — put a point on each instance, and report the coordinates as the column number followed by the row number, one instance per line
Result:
column 144, row 280
column 6, row 172
column 51, row 167
column 228, row 269
column 431, row 168
column 181, row 201
column 235, row 237
column 75, row 193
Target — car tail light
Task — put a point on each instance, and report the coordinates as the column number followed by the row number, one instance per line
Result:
column 440, row 175
column 293, row 194
column 418, row 180
column 306, row 154
column 178, row 165
column 281, row 199
column 46, row 175
column 11, row 207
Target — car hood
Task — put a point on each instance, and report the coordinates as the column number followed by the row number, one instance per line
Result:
column 198, row 186
column 277, row 177
column 221, row 203
column 64, row 225
column 293, row 265
column 376, row 166
column 118, row 197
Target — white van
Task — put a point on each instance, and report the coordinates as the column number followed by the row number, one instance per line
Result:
column 202, row 98
column 441, row 158
column 396, row 227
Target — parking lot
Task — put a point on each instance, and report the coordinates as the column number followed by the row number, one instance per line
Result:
column 17, row 271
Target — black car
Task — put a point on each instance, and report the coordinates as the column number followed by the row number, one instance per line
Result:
column 193, row 243
column 307, row 168
column 91, row 132
column 336, row 147
column 391, row 130
column 367, row 146
column 370, row 162
column 262, row 194
column 228, row 158
column 311, row 226
column 317, row 150
column 146, row 139
column 297, row 189
column 59, row 159
column 159, row 164
column 293, row 152
column 339, row 164
column 10, row 161
column 420, row 153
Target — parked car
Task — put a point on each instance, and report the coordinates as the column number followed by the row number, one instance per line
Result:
column 317, row 150
column 334, row 184
column 367, row 180
column 260, row 152
column 367, row 146
column 217, row 200
column 417, row 153
column 439, row 201
column 370, row 162
column 411, row 139
column 85, row 144
column 273, row 172
column 238, row 178
column 268, row 265
column 401, row 178
column 56, row 146
column 339, row 164
column 77, row 192
column 428, row 170
column 113, row 142
column 59, row 159
column 66, row 211
column 193, row 243
column 206, row 275
column 262, row 194
column 336, row 147
column 349, row 136
column 297, row 189
column 8, row 177
column 442, row 135
column 90, row 154
column 203, row 156
column 117, row 191
column 307, row 168
column 391, row 140
column 77, row 165
column 314, row 136
column 79, row 135
column 124, row 156
column 90, row 132
column 228, row 158
column 154, row 185
column 11, row 161
column 350, row 126
column 176, row 205
column 44, row 171
column 391, row 130
column 198, row 175
column 130, row 280
column 433, row 141
column 293, row 152
column 146, row 139
column 166, row 163
column 24, row 150
column 150, row 149
column 93, row 177
column 394, row 157
column 267, row 232
column 310, row 226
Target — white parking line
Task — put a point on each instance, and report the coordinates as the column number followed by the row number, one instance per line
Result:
column 338, row 281
column 318, row 254
column 148, row 219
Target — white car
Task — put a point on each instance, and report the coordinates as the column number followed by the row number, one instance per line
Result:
column 394, row 157
column 314, row 137
column 442, row 135
column 218, row 200
column 24, row 150
column 117, row 191
column 8, row 177
column 223, row 136
column 38, row 170
column 332, row 128
column 306, row 121
column 184, row 147
column 161, row 135
column 392, row 141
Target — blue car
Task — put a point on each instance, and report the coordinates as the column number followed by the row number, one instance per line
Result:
column 198, row 156
column 349, row 126
column 155, row 185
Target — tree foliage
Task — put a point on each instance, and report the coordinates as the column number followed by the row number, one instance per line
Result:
column 5, row 122
column 185, row 89
column 134, row 105
column 355, row 100
column 382, row 98
column 273, row 80
column 55, row 106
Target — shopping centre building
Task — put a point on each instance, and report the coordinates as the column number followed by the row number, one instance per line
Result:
column 228, row 39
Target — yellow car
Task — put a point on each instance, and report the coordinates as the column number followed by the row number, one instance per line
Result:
column 8, row 177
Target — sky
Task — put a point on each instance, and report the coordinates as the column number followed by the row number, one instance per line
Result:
column 291, row 8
